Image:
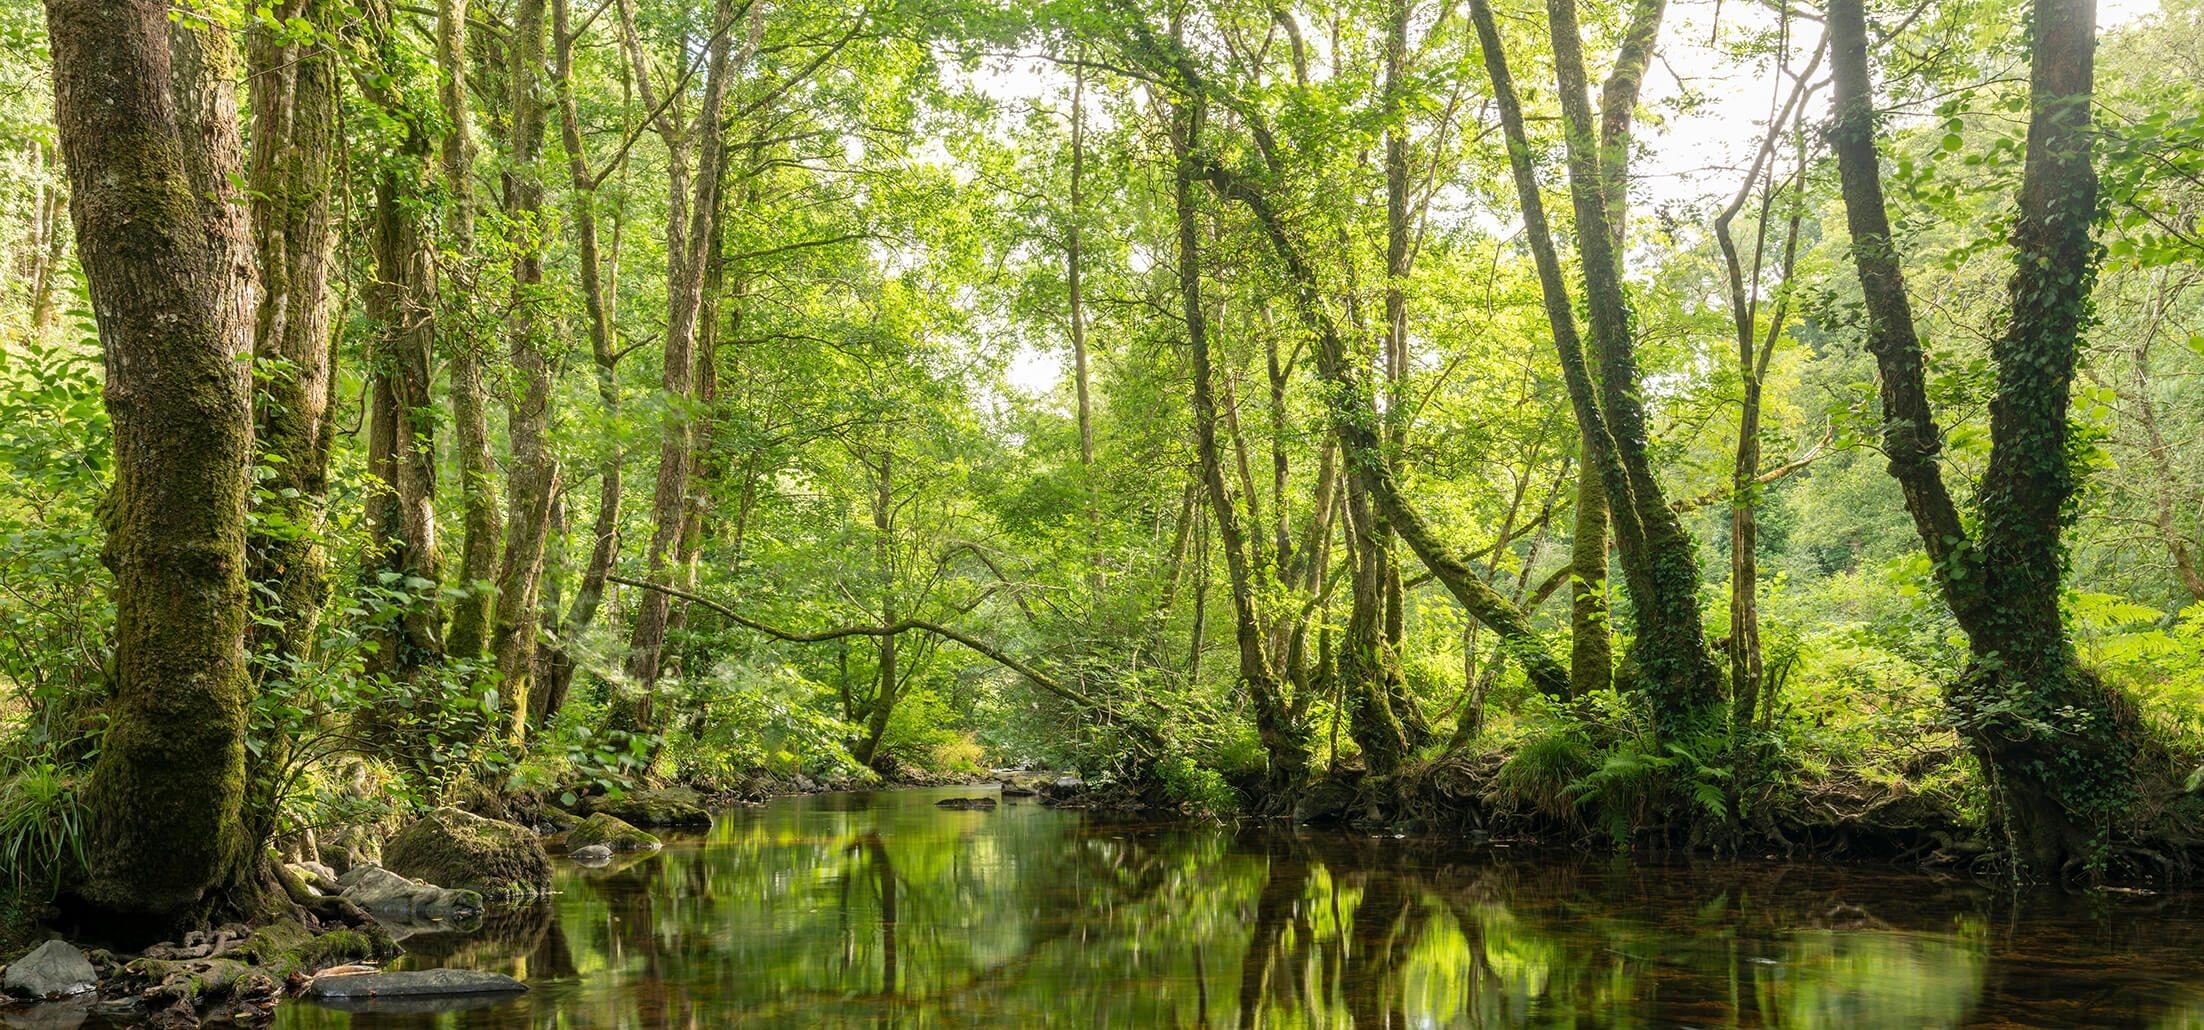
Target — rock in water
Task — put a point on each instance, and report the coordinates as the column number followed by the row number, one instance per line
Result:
column 607, row 830
column 390, row 897
column 967, row 804
column 54, row 970
column 413, row 984
column 591, row 854
column 463, row 851
column 674, row 806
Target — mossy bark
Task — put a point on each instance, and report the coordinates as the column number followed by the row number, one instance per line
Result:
column 294, row 120
column 148, row 124
column 533, row 472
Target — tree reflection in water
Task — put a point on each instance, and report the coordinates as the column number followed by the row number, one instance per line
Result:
column 884, row 911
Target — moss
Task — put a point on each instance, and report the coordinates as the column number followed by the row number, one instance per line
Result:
column 610, row 831
column 673, row 806
column 454, row 849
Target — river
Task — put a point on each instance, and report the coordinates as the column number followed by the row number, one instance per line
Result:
column 883, row 910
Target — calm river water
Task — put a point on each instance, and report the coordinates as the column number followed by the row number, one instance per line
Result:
column 882, row 910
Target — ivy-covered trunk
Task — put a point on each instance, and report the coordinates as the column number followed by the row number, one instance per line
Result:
column 2056, row 744
column 147, row 117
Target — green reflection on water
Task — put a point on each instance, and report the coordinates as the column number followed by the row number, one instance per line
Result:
column 884, row 911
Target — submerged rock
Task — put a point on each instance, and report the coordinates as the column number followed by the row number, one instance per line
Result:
column 390, row 897
column 53, row 970
column 967, row 804
column 461, row 850
column 68, row 1014
column 593, row 854
column 609, row 831
column 413, row 984
column 673, row 806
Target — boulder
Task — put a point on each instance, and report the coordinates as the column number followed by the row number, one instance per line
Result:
column 392, row 898
column 673, row 806
column 967, row 804
column 413, row 984
column 592, row 854
column 607, row 830
column 464, row 851
column 53, row 970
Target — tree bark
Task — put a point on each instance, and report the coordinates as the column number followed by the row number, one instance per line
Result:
column 558, row 674
column 401, row 303
column 147, row 117
column 534, row 473
column 463, row 345
column 294, row 119
column 690, row 224
column 1660, row 564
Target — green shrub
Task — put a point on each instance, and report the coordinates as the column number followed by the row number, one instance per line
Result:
column 42, row 832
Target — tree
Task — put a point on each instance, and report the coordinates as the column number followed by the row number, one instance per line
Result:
column 148, row 122
column 2056, row 743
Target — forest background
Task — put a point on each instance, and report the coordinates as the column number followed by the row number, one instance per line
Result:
column 1193, row 396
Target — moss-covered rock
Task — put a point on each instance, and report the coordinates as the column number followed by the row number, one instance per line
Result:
column 455, row 849
column 611, row 832
column 673, row 806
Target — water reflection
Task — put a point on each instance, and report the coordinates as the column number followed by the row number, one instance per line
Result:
column 883, row 911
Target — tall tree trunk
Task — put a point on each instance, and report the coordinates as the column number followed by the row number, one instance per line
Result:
column 558, row 675
column 1591, row 640
column 294, row 118
column 690, row 224
column 1660, row 564
column 1657, row 556
column 1591, row 633
column 400, row 301
column 1284, row 741
column 147, row 116
column 532, row 479
column 401, row 432
column 463, row 345
column 2056, row 744
column 887, row 678
column 1746, row 670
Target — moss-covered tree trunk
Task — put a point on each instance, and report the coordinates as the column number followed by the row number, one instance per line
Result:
column 529, row 483
column 461, row 343
column 401, row 422
column 147, row 115
column 1284, row 740
column 294, row 122
column 2056, row 743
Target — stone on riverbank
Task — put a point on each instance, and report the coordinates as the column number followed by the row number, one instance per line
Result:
column 53, row 970
column 463, row 851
